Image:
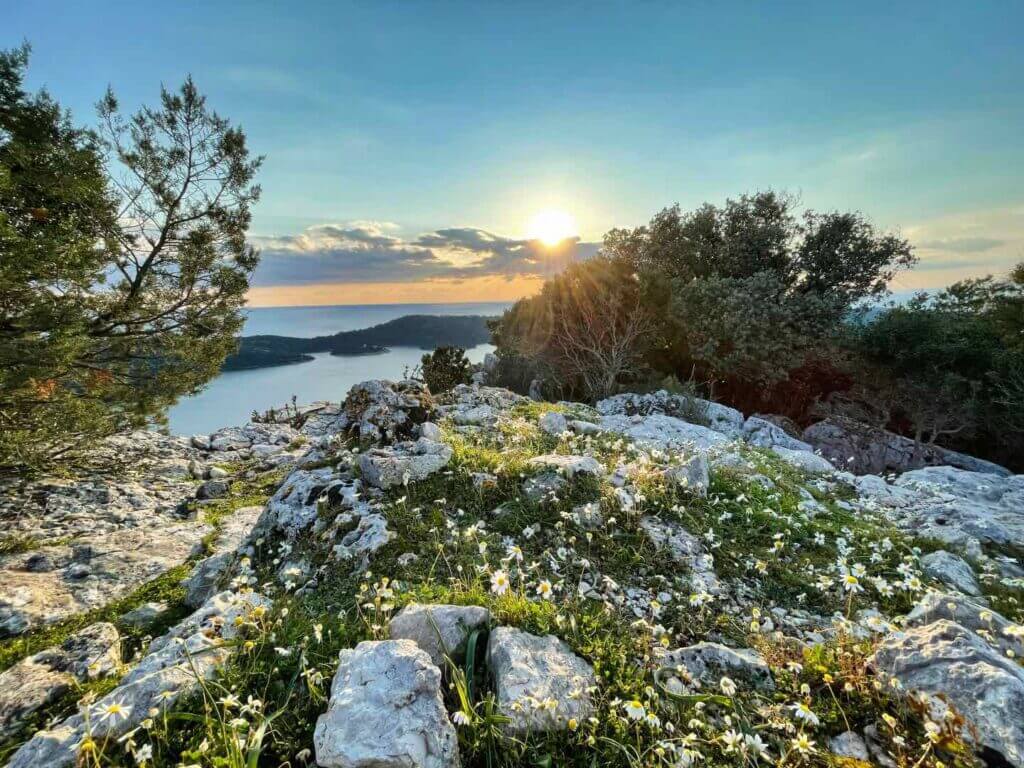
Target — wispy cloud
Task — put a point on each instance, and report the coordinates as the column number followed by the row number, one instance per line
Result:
column 370, row 251
column 962, row 244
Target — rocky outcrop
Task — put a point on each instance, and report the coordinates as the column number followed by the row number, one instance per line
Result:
column 863, row 449
column 202, row 582
column 403, row 463
column 385, row 411
column 40, row 679
column 386, row 711
column 951, row 570
column 440, row 630
column 697, row 666
column 539, row 683
column 955, row 666
column 692, row 476
column 666, row 433
column 191, row 651
column 766, row 434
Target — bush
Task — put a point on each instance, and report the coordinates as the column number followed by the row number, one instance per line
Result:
column 445, row 368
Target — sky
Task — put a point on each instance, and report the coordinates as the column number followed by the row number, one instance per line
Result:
column 423, row 151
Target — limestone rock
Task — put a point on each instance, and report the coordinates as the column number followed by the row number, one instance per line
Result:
column 765, row 434
column 664, row 432
column 144, row 615
column 403, row 463
column 803, row 460
column 971, row 614
column 201, row 582
column 707, row 663
column 849, row 744
column 692, row 476
column 440, row 630
column 553, row 423
column 36, row 681
column 685, row 549
column 540, row 684
column 952, row 570
column 945, row 659
column 381, row 410
column 543, row 486
column 386, row 711
column 570, row 466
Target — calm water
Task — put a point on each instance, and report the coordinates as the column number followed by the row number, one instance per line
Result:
column 233, row 396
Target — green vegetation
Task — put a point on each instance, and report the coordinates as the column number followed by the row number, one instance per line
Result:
column 445, row 368
column 751, row 305
column 124, row 263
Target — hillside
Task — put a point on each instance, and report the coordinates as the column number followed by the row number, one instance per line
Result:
column 425, row 332
column 478, row 579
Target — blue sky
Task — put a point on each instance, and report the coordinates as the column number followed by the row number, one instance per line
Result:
column 386, row 123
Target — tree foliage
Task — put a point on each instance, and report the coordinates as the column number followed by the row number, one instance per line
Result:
column 445, row 368
column 124, row 262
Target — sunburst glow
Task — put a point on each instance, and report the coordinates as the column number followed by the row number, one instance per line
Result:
column 551, row 226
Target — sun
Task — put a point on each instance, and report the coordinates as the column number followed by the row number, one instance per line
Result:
column 551, row 226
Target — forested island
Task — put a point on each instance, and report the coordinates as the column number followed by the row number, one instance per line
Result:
column 421, row 331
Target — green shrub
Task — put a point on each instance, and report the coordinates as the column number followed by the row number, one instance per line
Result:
column 445, row 368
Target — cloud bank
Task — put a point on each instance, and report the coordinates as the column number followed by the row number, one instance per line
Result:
column 372, row 252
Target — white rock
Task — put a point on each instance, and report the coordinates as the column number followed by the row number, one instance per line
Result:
column 664, row 432
column 685, row 549
column 952, row 570
column 692, row 476
column 765, row 434
column 553, row 423
column 709, row 662
column 570, row 466
column 849, row 744
column 529, row 670
column 386, row 711
column 403, row 463
column 803, row 460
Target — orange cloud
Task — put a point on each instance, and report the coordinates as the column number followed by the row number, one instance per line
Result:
column 477, row 289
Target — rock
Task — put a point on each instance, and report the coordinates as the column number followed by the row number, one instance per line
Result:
column 694, row 410
column 570, row 466
column 542, row 487
column 202, row 581
column 553, row 423
column 191, row 651
column 40, row 679
column 947, row 660
column 431, row 431
column 213, row 489
column 386, row 711
column 293, row 507
column 803, row 460
column 664, row 432
column 370, row 534
column 440, row 630
column 763, row 433
column 381, row 410
column 479, row 415
column 692, row 476
column 849, row 744
column 588, row 516
column 971, row 614
column 951, row 570
column 540, row 684
column 863, row 449
column 102, row 568
column 685, row 549
column 217, row 473
column 490, row 364
column 581, row 427
column 956, row 506
column 143, row 616
column 707, row 663
column 403, row 463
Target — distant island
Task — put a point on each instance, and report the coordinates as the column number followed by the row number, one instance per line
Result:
column 422, row 331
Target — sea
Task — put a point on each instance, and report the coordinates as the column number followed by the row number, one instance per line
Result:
column 231, row 398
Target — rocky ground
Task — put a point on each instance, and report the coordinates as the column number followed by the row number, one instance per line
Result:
column 480, row 579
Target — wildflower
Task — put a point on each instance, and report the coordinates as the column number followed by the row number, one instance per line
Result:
column 499, row 582
column 728, row 686
column 573, row 724
column 230, row 701
column 851, row 583
column 756, row 746
column 802, row 712
column 802, row 744
column 318, row 632
column 143, row 754
column 114, row 711
column 634, row 709
column 460, row 718
column 731, row 739
column 544, row 589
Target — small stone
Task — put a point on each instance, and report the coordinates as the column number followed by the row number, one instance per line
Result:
column 849, row 744
column 692, row 476
column 213, row 489
column 553, row 423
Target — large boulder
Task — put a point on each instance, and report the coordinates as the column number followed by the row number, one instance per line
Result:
column 952, row 570
column 540, row 684
column 403, row 463
column 805, row 461
column 693, row 475
column 665, row 433
column 957, row 506
column 720, row 418
column 863, row 449
column 766, row 434
column 440, row 630
column 386, row 711
column 38, row 680
column 954, row 666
